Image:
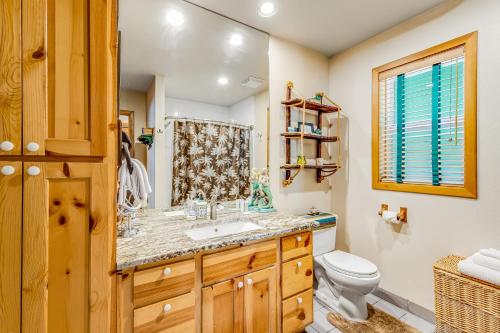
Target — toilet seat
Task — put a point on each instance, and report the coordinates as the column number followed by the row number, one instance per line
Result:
column 350, row 265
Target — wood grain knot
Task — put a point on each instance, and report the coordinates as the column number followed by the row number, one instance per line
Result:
column 309, row 272
column 62, row 220
column 92, row 223
column 66, row 169
column 250, row 262
column 301, row 315
column 38, row 54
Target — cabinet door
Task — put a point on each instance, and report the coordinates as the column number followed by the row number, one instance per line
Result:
column 223, row 307
column 10, row 246
column 67, row 266
column 10, row 77
column 64, row 77
column 260, row 301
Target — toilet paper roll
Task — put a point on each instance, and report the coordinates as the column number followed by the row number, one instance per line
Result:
column 390, row 216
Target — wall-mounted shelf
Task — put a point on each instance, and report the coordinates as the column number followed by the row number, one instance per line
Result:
column 311, row 105
column 322, row 138
column 322, row 171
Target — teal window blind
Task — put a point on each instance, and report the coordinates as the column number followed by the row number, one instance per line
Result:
column 421, row 120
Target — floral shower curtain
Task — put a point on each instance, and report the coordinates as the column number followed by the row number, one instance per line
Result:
column 211, row 158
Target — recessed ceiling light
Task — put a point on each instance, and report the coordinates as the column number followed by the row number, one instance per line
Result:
column 267, row 9
column 236, row 39
column 223, row 80
column 175, row 18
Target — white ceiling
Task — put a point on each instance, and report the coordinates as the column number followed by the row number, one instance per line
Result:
column 328, row 26
column 191, row 56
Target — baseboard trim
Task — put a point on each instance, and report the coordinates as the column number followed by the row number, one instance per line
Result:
column 405, row 304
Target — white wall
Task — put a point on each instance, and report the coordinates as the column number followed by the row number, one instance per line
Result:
column 437, row 225
column 308, row 70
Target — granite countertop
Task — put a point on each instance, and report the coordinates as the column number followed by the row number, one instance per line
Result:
column 160, row 237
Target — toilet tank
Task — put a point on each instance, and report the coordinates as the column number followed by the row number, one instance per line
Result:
column 324, row 240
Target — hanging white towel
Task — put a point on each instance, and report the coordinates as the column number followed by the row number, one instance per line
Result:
column 493, row 253
column 486, row 261
column 135, row 183
column 468, row 267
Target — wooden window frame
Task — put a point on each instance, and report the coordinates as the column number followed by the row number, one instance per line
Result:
column 469, row 189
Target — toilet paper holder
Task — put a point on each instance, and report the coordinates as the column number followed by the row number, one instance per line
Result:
column 402, row 215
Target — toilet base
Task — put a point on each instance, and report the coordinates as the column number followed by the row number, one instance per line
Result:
column 349, row 306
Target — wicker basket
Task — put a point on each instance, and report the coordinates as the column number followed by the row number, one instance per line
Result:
column 464, row 304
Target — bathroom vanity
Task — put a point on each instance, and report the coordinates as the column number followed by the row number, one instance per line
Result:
column 252, row 281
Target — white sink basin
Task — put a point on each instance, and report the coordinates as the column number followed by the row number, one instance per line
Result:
column 225, row 229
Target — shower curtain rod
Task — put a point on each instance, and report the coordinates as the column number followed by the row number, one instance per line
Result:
column 218, row 122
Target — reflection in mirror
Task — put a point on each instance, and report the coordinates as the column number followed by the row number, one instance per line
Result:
column 194, row 101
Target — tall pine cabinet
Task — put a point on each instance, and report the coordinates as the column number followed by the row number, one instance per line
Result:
column 58, row 137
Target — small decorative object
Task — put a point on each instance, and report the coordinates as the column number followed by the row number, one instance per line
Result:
column 319, row 161
column 301, row 160
column 292, row 129
column 313, row 211
column 317, row 131
column 262, row 199
column 308, row 127
column 254, row 180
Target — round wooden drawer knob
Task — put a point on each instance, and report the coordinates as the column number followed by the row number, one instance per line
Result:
column 33, row 171
column 32, row 147
column 299, row 264
column 299, row 300
column 240, row 285
column 249, row 282
column 299, row 238
column 167, row 307
column 6, row 146
column 167, row 271
column 8, row 170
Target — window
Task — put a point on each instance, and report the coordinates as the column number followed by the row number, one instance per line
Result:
column 424, row 121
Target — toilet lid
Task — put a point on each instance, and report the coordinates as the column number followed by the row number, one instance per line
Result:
column 350, row 264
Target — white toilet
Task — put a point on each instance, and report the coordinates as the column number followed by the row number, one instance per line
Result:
column 342, row 280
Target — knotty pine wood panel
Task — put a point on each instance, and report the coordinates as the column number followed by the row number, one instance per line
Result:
column 260, row 301
column 10, row 75
column 66, row 249
column 153, row 285
column 296, row 246
column 227, row 264
column 296, row 276
column 10, row 248
column 297, row 315
column 223, row 307
column 180, row 318
column 65, row 78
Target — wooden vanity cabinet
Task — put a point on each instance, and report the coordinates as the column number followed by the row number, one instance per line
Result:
column 297, row 277
column 244, row 289
column 243, row 304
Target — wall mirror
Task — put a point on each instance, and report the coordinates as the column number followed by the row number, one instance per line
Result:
column 194, row 91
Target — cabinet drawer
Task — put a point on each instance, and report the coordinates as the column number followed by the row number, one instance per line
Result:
column 159, row 283
column 174, row 315
column 227, row 264
column 296, row 275
column 296, row 246
column 297, row 312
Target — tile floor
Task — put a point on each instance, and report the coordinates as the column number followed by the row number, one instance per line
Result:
column 321, row 324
